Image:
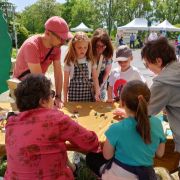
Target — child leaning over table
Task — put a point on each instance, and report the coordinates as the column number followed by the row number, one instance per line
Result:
column 125, row 73
column 131, row 143
column 79, row 66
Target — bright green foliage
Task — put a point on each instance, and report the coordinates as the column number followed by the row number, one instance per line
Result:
column 167, row 9
column 3, row 166
column 22, row 34
column 34, row 16
column 99, row 13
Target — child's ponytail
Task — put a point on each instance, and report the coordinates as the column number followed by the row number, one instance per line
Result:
column 135, row 95
column 143, row 125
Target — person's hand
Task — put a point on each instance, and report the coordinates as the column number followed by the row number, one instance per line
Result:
column 97, row 96
column 58, row 103
column 110, row 101
column 120, row 112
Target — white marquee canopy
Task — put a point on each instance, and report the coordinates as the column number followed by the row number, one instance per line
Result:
column 164, row 26
column 142, row 24
column 136, row 24
column 81, row 27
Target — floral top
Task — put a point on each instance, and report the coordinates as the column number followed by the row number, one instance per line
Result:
column 35, row 144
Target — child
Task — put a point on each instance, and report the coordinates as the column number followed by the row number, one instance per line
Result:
column 79, row 65
column 126, row 73
column 102, row 51
column 133, row 142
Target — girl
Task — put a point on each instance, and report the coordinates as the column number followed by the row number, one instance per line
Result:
column 133, row 142
column 79, row 65
column 102, row 52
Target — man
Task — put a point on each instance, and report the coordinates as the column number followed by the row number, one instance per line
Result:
column 39, row 51
column 132, row 40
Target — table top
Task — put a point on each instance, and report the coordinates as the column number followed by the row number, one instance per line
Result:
column 93, row 116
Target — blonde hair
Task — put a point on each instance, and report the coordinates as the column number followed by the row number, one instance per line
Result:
column 71, row 54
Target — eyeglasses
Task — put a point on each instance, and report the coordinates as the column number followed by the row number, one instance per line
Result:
column 52, row 93
column 100, row 46
column 63, row 41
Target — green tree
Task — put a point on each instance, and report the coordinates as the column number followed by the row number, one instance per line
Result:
column 167, row 9
column 82, row 11
column 115, row 12
column 67, row 10
column 22, row 34
column 34, row 16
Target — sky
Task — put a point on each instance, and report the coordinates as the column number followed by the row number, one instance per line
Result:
column 21, row 4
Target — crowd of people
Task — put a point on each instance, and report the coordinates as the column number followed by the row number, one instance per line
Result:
column 36, row 137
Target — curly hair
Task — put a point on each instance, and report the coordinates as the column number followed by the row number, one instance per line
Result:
column 29, row 92
column 159, row 48
column 101, row 35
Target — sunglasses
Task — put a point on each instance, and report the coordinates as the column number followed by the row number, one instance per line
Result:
column 63, row 41
column 52, row 93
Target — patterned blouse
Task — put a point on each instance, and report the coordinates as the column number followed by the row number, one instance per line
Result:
column 35, row 144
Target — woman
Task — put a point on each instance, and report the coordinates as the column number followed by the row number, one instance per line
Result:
column 159, row 56
column 102, row 52
column 36, row 137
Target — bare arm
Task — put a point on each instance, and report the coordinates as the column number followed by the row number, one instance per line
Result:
column 161, row 149
column 96, row 83
column 66, row 84
column 108, row 150
column 107, row 72
column 58, row 77
column 35, row 68
column 109, row 93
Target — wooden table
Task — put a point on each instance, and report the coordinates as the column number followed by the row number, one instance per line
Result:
column 93, row 116
column 4, row 107
column 98, row 117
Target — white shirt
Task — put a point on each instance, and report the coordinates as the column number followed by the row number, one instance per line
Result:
column 131, row 74
column 70, row 68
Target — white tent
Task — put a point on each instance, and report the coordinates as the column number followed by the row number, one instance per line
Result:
column 136, row 24
column 164, row 26
column 81, row 27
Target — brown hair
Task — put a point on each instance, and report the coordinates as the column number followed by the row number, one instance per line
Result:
column 71, row 54
column 136, row 95
column 159, row 48
column 101, row 35
column 29, row 91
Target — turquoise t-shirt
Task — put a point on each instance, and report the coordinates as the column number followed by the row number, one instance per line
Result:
column 129, row 146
